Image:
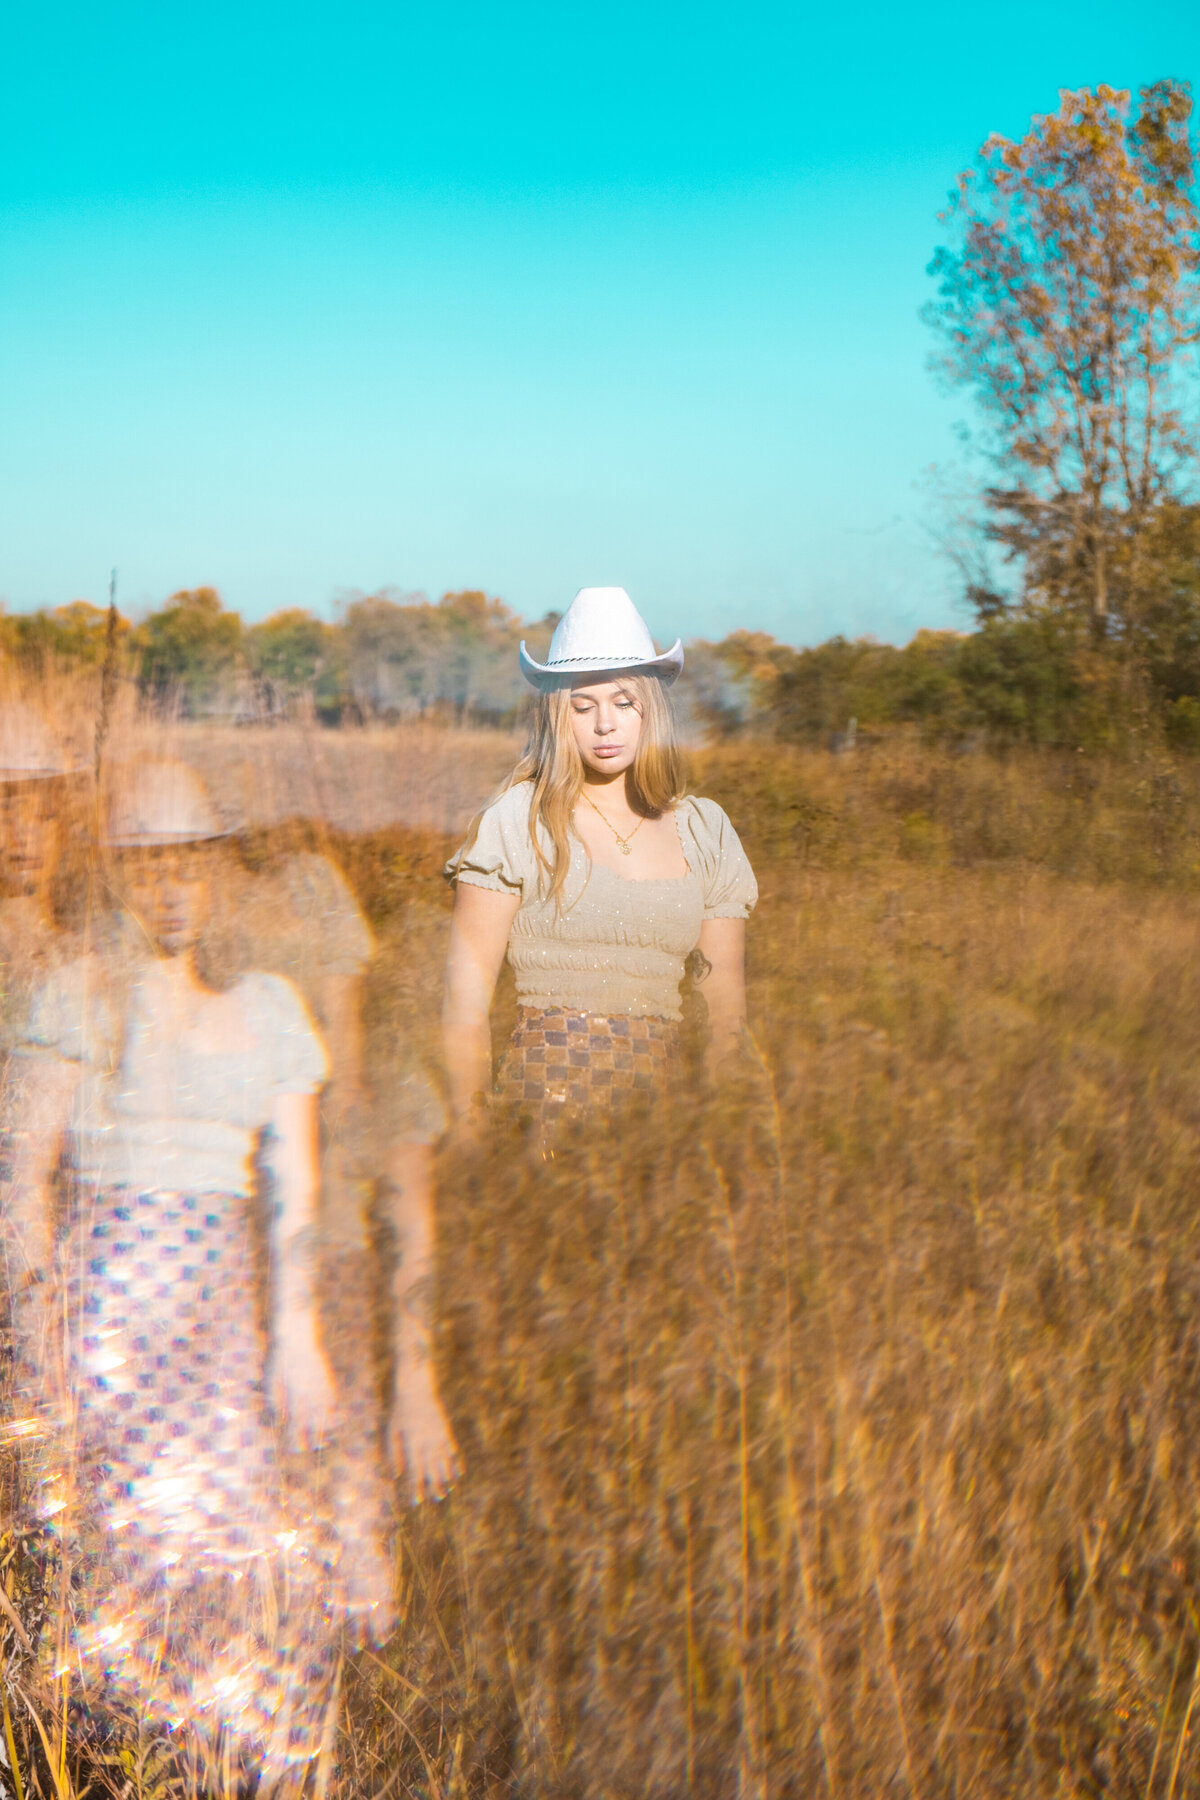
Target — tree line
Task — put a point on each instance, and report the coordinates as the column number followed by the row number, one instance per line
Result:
column 1022, row 675
column 387, row 656
column 1067, row 310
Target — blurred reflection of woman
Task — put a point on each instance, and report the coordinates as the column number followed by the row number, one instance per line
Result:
column 35, row 784
column 35, row 790
column 209, row 1591
column 599, row 879
column 381, row 1117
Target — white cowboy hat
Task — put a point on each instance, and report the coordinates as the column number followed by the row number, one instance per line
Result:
column 601, row 631
column 160, row 803
column 28, row 749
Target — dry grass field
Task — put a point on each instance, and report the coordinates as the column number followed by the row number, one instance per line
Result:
column 839, row 1434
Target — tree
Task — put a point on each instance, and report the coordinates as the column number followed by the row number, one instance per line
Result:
column 190, row 650
column 1168, row 624
column 293, row 653
column 731, row 684
column 70, row 636
column 478, row 639
column 1068, row 305
column 390, row 654
column 406, row 656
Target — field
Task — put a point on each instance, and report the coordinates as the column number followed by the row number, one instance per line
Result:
column 839, row 1434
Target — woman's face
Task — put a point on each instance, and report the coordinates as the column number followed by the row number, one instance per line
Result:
column 168, row 889
column 28, row 836
column 607, row 723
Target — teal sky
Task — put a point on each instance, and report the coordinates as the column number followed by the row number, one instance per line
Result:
column 300, row 300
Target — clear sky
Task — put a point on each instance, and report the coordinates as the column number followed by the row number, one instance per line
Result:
column 298, row 300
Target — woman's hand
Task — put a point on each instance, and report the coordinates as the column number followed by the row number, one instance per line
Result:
column 420, row 1442
column 301, row 1385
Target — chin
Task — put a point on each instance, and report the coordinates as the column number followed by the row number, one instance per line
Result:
column 14, row 886
column 177, row 945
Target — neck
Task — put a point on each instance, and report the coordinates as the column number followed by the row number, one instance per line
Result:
column 602, row 784
column 179, row 973
column 26, row 909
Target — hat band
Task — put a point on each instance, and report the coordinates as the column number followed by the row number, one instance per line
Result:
column 10, row 772
column 599, row 661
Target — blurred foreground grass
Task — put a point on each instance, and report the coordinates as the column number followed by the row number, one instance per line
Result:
column 840, row 1435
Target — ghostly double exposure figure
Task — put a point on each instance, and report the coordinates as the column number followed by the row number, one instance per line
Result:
column 223, row 1499
column 36, row 783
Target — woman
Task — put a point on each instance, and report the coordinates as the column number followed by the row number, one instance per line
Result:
column 209, row 1587
column 598, row 880
column 38, row 786
column 38, row 789
column 381, row 1117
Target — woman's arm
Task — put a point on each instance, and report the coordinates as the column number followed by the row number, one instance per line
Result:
column 38, row 1104
column 339, row 1000
column 301, row 1386
column 339, row 1006
column 723, row 946
column 479, row 934
column 419, row 1436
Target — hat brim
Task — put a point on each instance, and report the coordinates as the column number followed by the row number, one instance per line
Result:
column 12, row 777
column 162, row 840
column 548, row 676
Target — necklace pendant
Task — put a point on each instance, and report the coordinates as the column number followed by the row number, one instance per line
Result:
column 625, row 850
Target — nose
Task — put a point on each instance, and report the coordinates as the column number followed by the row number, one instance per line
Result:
column 605, row 721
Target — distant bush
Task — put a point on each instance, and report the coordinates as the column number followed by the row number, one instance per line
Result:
column 1183, row 723
column 1027, row 674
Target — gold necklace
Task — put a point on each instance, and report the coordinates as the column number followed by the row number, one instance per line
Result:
column 622, row 843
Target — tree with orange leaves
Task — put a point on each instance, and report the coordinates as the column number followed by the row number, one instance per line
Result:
column 1069, row 305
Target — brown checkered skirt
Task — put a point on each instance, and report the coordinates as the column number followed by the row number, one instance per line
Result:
column 560, row 1062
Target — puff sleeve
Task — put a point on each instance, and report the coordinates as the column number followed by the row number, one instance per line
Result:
column 730, row 890
column 501, row 854
column 329, row 915
column 301, row 921
column 70, row 1015
column 297, row 1061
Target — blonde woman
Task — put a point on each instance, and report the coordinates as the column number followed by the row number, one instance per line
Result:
column 38, row 793
column 598, row 879
column 212, row 1595
column 39, row 789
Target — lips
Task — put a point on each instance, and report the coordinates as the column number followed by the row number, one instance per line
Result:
column 607, row 750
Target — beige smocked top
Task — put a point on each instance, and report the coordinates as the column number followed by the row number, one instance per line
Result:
column 613, row 946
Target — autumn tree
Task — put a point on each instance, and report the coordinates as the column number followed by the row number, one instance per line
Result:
column 190, row 650
column 390, row 655
column 66, row 637
column 731, row 684
column 1068, row 306
column 292, row 654
column 407, row 655
column 478, row 639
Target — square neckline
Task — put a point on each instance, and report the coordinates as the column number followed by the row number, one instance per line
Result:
column 646, row 880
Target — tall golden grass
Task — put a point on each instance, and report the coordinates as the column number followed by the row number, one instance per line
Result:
column 838, row 1433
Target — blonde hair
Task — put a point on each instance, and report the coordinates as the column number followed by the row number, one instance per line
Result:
column 552, row 762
